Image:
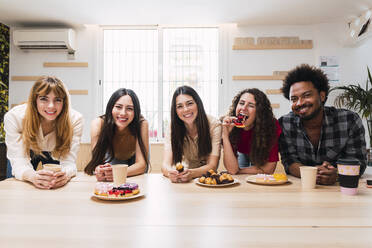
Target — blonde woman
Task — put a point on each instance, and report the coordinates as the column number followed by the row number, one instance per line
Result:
column 44, row 130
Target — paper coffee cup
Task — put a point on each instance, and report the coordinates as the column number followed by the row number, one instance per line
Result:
column 308, row 176
column 348, row 175
column 119, row 173
column 52, row 167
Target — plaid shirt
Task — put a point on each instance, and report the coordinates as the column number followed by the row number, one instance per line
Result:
column 342, row 136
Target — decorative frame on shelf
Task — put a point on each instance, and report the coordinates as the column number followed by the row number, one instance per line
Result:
column 264, row 43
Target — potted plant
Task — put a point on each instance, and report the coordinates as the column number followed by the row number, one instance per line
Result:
column 359, row 99
column 4, row 82
column 3, row 110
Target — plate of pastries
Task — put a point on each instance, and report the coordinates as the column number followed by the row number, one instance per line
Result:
column 126, row 191
column 214, row 179
column 268, row 179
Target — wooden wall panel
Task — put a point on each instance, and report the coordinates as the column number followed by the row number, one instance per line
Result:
column 259, row 77
column 65, row 64
column 25, row 78
column 273, row 91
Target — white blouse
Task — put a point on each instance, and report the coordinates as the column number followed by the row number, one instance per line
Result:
column 15, row 148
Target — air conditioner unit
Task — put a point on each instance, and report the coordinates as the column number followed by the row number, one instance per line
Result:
column 41, row 39
column 359, row 30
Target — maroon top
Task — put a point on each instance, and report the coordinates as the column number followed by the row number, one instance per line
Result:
column 244, row 144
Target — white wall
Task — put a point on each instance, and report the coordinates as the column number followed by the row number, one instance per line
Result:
column 264, row 62
column 30, row 63
column 326, row 38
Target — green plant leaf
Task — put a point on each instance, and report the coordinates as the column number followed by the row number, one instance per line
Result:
column 356, row 98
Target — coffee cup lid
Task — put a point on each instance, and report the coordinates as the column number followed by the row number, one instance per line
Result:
column 348, row 161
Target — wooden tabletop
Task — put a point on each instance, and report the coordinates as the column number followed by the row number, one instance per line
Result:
column 185, row 215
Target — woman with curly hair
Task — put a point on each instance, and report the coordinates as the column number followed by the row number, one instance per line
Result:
column 45, row 130
column 253, row 148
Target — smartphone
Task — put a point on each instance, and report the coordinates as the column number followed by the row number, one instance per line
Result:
column 369, row 183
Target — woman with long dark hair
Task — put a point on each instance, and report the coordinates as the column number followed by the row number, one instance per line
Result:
column 120, row 136
column 193, row 139
column 253, row 148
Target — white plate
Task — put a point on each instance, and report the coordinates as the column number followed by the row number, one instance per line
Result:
column 114, row 198
column 252, row 179
column 196, row 180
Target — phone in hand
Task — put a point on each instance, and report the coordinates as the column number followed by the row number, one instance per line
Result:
column 369, row 183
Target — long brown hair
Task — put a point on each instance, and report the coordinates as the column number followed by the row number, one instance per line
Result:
column 105, row 140
column 264, row 129
column 32, row 121
column 178, row 128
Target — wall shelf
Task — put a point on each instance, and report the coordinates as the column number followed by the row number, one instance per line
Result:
column 267, row 47
column 266, row 77
column 273, row 91
column 25, row 78
column 275, row 105
column 65, row 64
column 78, row 92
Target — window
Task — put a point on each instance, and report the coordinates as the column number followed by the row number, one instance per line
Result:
column 154, row 62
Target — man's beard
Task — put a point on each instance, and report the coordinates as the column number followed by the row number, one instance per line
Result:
column 312, row 115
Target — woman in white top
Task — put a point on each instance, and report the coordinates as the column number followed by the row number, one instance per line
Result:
column 44, row 130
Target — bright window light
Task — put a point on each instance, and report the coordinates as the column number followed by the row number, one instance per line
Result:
column 154, row 62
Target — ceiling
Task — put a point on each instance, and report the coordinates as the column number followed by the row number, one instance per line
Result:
column 75, row 13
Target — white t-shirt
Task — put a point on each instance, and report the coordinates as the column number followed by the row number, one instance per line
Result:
column 15, row 148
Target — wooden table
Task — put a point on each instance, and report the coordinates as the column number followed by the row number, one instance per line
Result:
column 185, row 215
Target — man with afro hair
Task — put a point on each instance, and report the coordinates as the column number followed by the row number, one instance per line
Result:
column 315, row 134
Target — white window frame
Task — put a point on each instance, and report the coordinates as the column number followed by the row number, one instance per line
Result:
column 100, row 109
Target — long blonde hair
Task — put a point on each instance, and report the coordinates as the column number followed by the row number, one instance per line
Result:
column 32, row 121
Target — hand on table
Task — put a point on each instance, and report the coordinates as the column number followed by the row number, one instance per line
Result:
column 104, row 173
column 327, row 174
column 60, row 179
column 173, row 175
column 185, row 176
column 42, row 179
column 179, row 177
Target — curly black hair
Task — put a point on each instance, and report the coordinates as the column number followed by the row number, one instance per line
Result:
column 264, row 128
column 306, row 73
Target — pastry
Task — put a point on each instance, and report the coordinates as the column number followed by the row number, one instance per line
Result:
column 213, row 178
column 123, row 190
column 102, row 188
column 208, row 180
column 179, row 167
column 239, row 121
column 267, row 178
column 280, row 177
column 210, row 172
column 264, row 178
column 202, row 179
